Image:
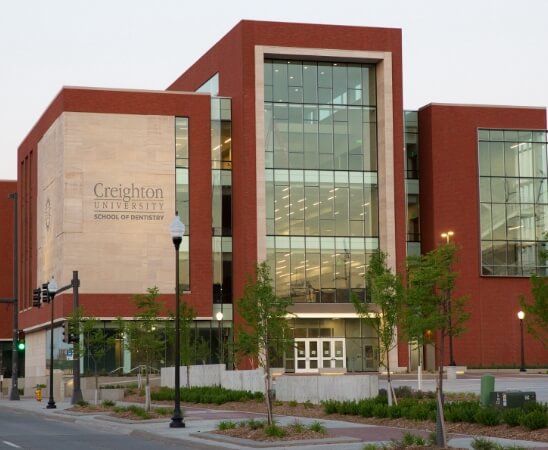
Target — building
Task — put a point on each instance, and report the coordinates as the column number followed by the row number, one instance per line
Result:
column 286, row 143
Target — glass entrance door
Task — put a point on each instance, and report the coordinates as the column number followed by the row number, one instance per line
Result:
column 313, row 354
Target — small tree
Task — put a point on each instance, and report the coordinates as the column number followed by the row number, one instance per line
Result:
column 430, row 307
column 266, row 325
column 383, row 313
column 144, row 334
column 95, row 341
column 186, row 320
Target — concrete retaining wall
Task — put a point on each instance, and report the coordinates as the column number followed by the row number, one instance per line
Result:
column 316, row 388
column 313, row 388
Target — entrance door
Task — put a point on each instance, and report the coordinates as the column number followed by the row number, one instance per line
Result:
column 306, row 355
column 313, row 354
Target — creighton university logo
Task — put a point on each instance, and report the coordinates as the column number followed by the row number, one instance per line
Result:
column 127, row 202
column 47, row 214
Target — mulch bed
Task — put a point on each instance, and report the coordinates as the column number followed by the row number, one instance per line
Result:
column 316, row 411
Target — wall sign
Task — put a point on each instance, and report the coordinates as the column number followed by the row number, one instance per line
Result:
column 133, row 202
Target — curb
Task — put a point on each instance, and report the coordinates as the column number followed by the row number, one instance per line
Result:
column 267, row 444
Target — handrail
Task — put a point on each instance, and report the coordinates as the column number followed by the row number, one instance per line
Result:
column 141, row 367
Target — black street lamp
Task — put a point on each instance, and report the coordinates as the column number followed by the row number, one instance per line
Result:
column 521, row 316
column 219, row 317
column 447, row 236
column 177, row 229
column 52, row 289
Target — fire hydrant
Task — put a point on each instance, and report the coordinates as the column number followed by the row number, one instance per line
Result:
column 38, row 394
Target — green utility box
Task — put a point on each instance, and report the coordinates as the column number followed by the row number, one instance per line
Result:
column 511, row 399
column 486, row 389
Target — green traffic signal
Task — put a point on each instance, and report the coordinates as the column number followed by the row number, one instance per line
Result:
column 21, row 345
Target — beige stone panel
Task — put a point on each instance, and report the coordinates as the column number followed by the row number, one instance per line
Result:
column 126, row 156
column 35, row 356
column 50, row 201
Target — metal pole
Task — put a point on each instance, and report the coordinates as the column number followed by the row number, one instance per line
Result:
column 522, row 368
column 51, row 402
column 451, row 358
column 177, row 419
column 14, row 394
column 76, row 390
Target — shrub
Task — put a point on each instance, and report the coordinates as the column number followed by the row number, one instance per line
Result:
column 226, row 425
column 298, row 427
column 308, row 404
column 108, row 403
column 275, row 431
column 82, row 403
column 163, row 411
column 208, row 394
column 534, row 420
column 275, row 403
column 410, row 440
column 488, row 416
column 395, row 412
column 380, row 411
column 404, row 392
column 329, row 406
column 366, row 408
column 461, row 411
column 512, row 416
column 293, row 403
column 255, row 424
column 318, row 427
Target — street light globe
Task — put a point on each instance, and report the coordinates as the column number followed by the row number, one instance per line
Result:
column 177, row 228
column 219, row 316
column 52, row 285
column 521, row 315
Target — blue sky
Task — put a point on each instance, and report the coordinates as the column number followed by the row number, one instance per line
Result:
column 482, row 51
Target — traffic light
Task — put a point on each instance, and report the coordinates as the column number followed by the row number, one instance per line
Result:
column 36, row 298
column 21, row 340
column 45, row 293
column 66, row 332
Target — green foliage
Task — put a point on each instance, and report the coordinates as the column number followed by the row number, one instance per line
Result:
column 409, row 439
column 486, row 444
column 297, row 427
column 207, row 394
column 274, row 430
column 534, row 420
column 108, row 403
column 163, row 411
column 255, row 424
column 430, row 305
column 308, row 404
column 461, row 411
column 536, row 309
column 226, row 425
column 386, row 294
column 82, row 403
column 511, row 416
column 488, row 416
column 264, row 315
column 292, row 403
column 317, row 427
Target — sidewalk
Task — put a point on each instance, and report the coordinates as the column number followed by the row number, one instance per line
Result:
column 201, row 421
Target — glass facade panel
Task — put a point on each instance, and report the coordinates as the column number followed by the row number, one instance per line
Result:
column 320, row 141
column 182, row 204
column 412, row 183
column 513, row 201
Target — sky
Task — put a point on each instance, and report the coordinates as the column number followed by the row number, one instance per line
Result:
column 466, row 51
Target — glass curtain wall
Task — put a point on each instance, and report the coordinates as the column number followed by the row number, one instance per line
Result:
column 321, row 177
column 411, row 159
column 182, row 195
column 513, row 177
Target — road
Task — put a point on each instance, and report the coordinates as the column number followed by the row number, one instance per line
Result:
column 28, row 431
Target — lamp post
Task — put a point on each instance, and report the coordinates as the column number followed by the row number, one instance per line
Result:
column 521, row 316
column 177, row 230
column 52, row 289
column 447, row 236
column 219, row 317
